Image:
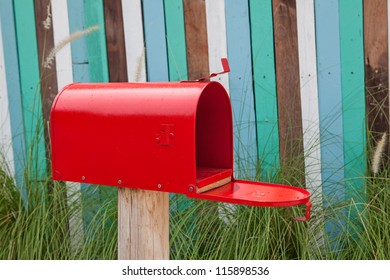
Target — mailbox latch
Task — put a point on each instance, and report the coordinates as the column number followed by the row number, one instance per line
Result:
column 166, row 136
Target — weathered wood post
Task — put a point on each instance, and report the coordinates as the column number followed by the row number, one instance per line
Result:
column 143, row 224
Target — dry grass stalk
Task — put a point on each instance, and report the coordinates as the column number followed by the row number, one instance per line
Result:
column 72, row 37
column 376, row 159
column 47, row 21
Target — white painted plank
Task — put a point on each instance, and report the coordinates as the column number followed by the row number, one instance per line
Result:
column 309, row 106
column 6, row 151
column 61, row 31
column 64, row 73
column 309, row 94
column 216, row 36
column 134, row 40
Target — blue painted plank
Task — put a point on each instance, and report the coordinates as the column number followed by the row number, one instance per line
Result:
column 81, row 73
column 13, row 87
column 155, row 40
column 241, row 87
column 330, row 107
column 79, row 47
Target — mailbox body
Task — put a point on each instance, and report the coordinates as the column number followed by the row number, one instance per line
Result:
column 172, row 137
column 152, row 136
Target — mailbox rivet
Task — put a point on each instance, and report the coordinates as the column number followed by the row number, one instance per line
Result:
column 171, row 135
column 119, row 182
column 159, row 186
column 157, row 140
column 83, row 178
column 191, row 188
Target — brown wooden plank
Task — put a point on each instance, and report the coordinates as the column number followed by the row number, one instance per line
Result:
column 115, row 40
column 288, row 85
column 45, row 40
column 376, row 69
column 196, row 38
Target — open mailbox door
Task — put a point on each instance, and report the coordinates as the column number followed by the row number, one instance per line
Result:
column 174, row 137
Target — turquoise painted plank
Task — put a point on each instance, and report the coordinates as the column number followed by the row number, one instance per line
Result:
column 29, row 82
column 354, row 101
column 241, row 89
column 176, row 40
column 11, row 62
column 155, row 40
column 96, row 41
column 263, row 61
column 330, row 108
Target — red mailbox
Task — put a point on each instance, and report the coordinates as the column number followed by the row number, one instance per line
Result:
column 172, row 137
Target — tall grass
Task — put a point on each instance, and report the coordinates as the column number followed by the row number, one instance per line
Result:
column 40, row 228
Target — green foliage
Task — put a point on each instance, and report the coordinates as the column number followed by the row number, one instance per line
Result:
column 46, row 225
column 49, row 226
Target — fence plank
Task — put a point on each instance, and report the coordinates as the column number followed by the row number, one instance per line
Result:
column 134, row 40
column 241, row 87
column 80, row 63
column 6, row 152
column 263, row 61
column 155, row 42
column 45, row 43
column 96, row 41
column 309, row 99
column 61, row 31
column 176, row 40
column 82, row 72
column 288, row 84
column 310, row 111
column 354, row 111
column 11, row 63
column 330, row 109
column 196, row 38
column 376, row 69
column 29, row 81
column 216, row 38
column 115, row 41
column 64, row 71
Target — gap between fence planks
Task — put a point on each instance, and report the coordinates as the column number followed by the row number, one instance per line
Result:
column 143, row 225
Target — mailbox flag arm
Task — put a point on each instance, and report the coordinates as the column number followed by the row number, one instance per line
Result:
column 225, row 67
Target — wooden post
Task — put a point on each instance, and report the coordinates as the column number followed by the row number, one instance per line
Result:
column 143, row 224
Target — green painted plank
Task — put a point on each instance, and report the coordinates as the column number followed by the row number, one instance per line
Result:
column 176, row 40
column 353, row 97
column 96, row 41
column 263, row 61
column 29, row 82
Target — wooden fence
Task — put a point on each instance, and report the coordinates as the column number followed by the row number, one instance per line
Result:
column 308, row 82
